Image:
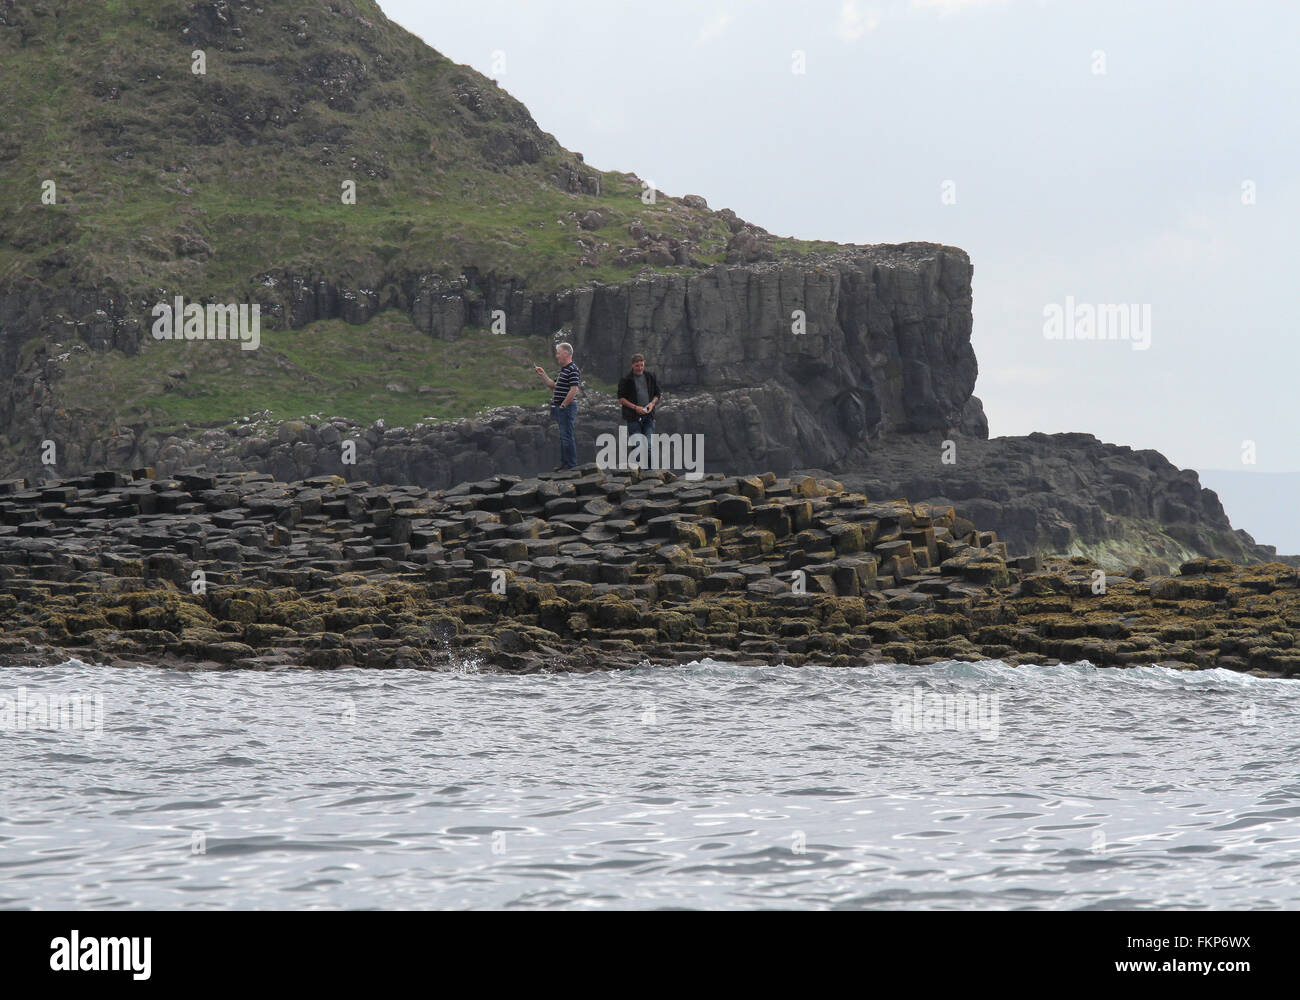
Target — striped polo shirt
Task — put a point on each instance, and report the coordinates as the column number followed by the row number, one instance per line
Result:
column 569, row 377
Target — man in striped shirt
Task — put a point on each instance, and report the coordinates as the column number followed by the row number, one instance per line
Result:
column 564, row 402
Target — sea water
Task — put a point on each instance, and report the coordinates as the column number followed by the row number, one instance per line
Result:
column 952, row 786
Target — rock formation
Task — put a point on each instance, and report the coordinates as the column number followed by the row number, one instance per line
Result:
column 582, row 570
column 1062, row 494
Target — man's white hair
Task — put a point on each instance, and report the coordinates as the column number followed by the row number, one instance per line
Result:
column 564, row 346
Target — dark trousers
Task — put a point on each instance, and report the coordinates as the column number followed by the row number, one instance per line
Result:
column 565, row 417
column 645, row 426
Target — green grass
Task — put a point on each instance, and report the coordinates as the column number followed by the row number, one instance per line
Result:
column 105, row 104
column 325, row 369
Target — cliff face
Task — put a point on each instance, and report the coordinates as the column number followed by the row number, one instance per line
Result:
column 1062, row 494
column 885, row 345
column 884, row 349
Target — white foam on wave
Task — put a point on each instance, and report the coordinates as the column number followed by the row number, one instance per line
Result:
column 989, row 670
column 1151, row 676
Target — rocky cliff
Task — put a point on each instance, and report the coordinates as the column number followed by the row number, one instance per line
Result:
column 1062, row 494
column 583, row 570
column 883, row 347
column 1055, row 495
column 138, row 178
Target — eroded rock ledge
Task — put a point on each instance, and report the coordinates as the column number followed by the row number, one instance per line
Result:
column 1051, row 494
column 579, row 571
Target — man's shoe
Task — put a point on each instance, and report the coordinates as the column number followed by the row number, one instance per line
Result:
column 559, row 468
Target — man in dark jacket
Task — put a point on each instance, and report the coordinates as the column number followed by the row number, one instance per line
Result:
column 638, row 391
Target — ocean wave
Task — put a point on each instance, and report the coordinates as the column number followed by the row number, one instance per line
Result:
column 947, row 672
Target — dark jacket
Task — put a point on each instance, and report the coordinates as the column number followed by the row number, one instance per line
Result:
column 627, row 390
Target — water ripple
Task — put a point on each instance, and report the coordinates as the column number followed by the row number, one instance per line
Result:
column 705, row 785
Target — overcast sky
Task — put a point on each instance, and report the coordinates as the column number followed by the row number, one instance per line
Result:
column 1105, row 151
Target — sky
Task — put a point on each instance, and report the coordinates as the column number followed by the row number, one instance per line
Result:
column 1088, row 155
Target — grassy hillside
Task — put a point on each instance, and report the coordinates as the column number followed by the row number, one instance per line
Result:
column 386, row 369
column 168, row 182
column 169, row 178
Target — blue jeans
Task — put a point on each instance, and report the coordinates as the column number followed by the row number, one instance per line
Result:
column 645, row 426
column 565, row 417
